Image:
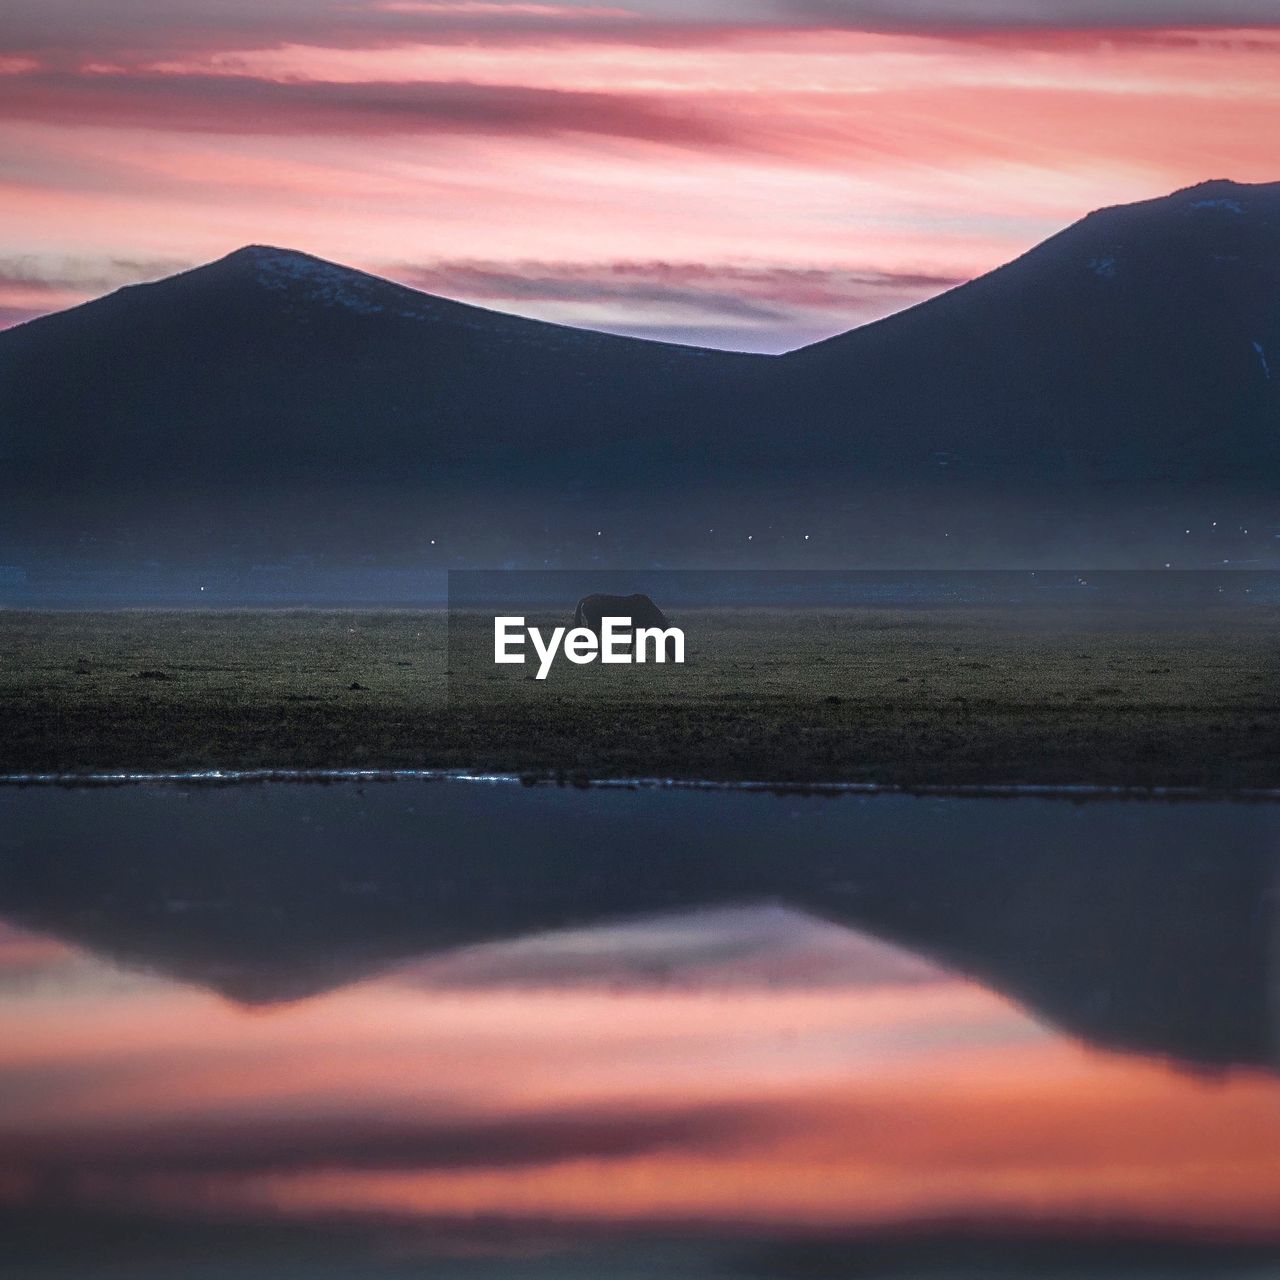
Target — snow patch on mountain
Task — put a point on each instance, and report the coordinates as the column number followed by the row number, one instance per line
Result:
column 327, row 284
column 1231, row 206
column 330, row 285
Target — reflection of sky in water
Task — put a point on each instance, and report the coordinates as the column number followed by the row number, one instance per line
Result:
column 729, row 1074
column 673, row 1089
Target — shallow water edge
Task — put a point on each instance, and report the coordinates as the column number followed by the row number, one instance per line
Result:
column 235, row 777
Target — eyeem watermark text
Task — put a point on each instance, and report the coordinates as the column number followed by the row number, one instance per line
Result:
column 618, row 642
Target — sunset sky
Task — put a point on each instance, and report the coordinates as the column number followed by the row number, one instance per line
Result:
column 752, row 174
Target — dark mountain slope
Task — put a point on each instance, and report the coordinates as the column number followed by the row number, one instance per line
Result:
column 1140, row 347
column 271, row 377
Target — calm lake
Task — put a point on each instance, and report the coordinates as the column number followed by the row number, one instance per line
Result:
column 446, row 1029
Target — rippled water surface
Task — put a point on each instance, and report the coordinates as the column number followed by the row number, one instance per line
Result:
column 435, row 1029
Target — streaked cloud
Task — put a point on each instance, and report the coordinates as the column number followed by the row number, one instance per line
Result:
column 248, row 105
column 84, row 275
column 746, row 292
column 68, row 30
column 64, row 31
column 950, row 15
column 33, row 285
column 763, row 307
column 380, row 1142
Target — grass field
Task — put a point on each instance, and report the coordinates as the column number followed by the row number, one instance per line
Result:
column 913, row 697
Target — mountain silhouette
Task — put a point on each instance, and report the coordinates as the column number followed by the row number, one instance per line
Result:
column 1116, row 381
column 270, row 396
column 1141, row 345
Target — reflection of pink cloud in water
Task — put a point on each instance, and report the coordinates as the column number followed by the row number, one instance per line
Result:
column 26, row 955
column 886, row 1091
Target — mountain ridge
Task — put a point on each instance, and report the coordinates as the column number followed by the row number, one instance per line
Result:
column 272, row 402
column 1227, row 189
column 365, row 292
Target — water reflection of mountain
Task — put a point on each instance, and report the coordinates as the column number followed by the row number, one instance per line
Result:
column 1147, row 928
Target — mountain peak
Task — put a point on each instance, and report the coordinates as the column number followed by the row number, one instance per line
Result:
column 1229, row 187
column 251, row 252
column 275, row 258
column 320, row 281
column 302, row 278
column 1232, row 197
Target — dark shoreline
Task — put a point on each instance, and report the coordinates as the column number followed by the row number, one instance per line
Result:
column 1074, row 794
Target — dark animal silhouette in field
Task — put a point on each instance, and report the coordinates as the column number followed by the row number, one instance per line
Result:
column 593, row 609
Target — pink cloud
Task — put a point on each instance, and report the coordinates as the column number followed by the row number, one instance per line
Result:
column 500, row 8
column 247, row 105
